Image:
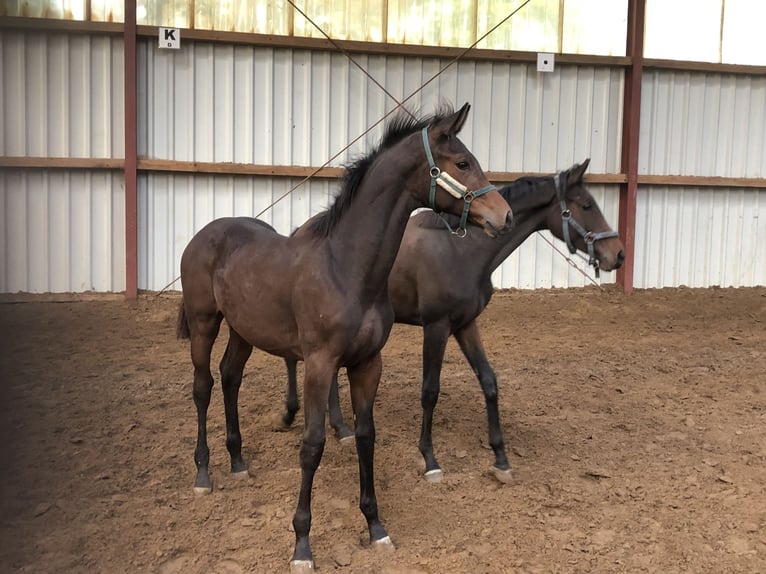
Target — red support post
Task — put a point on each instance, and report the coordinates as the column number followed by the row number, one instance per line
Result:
column 130, row 166
column 631, row 124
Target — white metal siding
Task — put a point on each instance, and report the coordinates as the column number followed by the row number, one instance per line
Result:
column 172, row 208
column 298, row 107
column 62, row 231
column 695, row 123
column 700, row 237
column 62, row 96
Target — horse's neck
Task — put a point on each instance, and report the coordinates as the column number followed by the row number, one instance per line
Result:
column 364, row 243
column 531, row 205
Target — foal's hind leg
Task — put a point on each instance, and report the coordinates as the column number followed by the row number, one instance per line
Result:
column 232, row 365
column 291, row 396
column 203, row 331
column 291, row 405
column 342, row 432
column 435, row 336
column 470, row 343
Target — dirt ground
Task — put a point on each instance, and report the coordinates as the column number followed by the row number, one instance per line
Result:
column 635, row 425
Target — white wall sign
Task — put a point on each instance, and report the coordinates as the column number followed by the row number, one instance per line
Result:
column 170, row 38
column 544, row 62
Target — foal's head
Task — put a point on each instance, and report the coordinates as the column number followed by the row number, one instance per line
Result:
column 458, row 184
column 586, row 227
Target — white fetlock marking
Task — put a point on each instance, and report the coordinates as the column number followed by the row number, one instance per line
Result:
column 434, row 475
column 504, row 476
column 301, row 566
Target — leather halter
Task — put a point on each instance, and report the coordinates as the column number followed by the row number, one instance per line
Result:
column 451, row 186
column 589, row 237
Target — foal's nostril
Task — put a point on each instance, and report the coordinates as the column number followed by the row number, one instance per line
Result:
column 621, row 256
column 509, row 218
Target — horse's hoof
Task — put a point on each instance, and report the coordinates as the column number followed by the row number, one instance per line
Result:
column 301, row 566
column 384, row 544
column 349, row 440
column 435, row 475
column 240, row 474
column 202, row 490
column 277, row 423
column 504, row 476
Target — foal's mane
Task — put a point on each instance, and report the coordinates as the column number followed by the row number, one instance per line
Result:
column 399, row 127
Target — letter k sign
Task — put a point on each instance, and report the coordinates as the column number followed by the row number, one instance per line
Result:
column 170, row 38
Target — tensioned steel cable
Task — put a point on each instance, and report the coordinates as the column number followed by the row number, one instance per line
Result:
column 399, row 104
column 383, row 118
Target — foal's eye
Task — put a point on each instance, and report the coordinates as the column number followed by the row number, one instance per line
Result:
column 587, row 206
column 462, row 165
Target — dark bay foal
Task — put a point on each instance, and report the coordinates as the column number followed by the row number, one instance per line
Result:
column 443, row 282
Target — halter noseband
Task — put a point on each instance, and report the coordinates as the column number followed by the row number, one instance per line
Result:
column 452, row 186
column 566, row 220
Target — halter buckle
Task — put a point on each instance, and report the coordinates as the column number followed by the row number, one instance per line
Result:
column 435, row 171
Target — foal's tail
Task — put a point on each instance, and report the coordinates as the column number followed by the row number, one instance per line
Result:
column 182, row 325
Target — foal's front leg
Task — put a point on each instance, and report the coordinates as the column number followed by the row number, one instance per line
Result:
column 469, row 339
column 316, row 390
column 364, row 379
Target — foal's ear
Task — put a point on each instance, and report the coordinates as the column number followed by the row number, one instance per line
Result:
column 576, row 172
column 456, row 121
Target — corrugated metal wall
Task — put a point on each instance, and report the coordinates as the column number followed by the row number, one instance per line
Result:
column 63, row 230
column 696, row 123
column 62, row 96
column 295, row 107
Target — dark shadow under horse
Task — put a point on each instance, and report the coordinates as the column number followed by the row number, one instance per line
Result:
column 322, row 296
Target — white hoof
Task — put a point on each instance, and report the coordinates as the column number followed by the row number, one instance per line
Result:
column 348, row 440
column 385, row 544
column 434, row 475
column 301, row 566
column 504, row 476
column 241, row 475
column 202, row 490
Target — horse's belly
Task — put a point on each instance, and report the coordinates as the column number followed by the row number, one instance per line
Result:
column 258, row 308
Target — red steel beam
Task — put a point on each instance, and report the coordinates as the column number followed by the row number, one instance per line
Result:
column 630, row 131
column 131, row 152
column 631, row 123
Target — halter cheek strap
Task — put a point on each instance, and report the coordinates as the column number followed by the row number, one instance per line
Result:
column 589, row 237
column 451, row 186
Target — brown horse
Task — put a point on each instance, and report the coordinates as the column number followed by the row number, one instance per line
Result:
column 443, row 283
column 322, row 296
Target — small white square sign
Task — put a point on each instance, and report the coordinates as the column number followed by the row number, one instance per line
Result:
column 170, row 38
